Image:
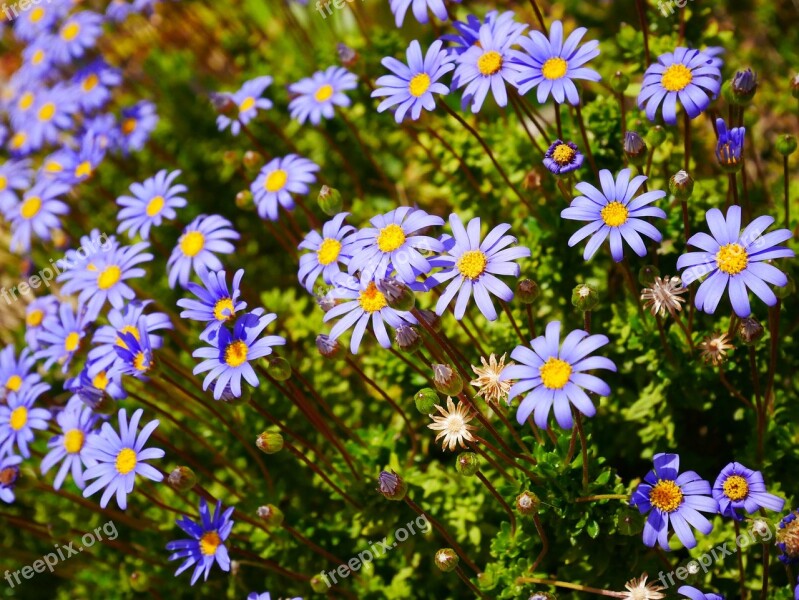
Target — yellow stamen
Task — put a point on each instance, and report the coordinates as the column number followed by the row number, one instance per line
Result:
column 490, row 62
column 192, row 243
column 18, row 140
column 676, row 78
column 131, row 329
column 126, row 461
column 390, row 238
column 247, row 104
column 223, row 311
column 14, row 383
column 72, row 342
column 276, row 180
column 371, row 299
column 419, row 84
column 26, row 101
column 236, row 353
column 34, row 318
column 154, row 206
column 3, row 183
column 19, row 417
column 30, row 207
column 90, row 82
column 328, row 251
column 100, row 381
column 554, row 68
column 324, row 93
column 615, row 214
column 73, row 441
column 555, row 373
column 472, row 264
column 84, row 169
column 209, row 542
column 140, row 362
column 47, row 112
column 736, row 488
column 129, row 126
column 37, row 57
column 732, row 259
column 563, row 154
column 109, row 277
column 36, row 14
column 70, row 31
column 666, row 496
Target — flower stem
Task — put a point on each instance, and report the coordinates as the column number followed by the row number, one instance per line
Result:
column 641, row 6
column 603, row 497
column 571, row 586
column 786, row 191
column 501, row 500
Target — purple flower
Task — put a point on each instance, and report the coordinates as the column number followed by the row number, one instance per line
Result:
column 77, row 422
column 563, row 157
column 19, row 418
column 196, row 248
column 247, row 101
column 216, row 304
column 419, row 9
column 327, row 252
column 738, row 488
column 695, row 594
column 278, row 180
column 319, row 94
column 153, row 200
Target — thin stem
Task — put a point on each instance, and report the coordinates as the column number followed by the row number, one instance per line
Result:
column 774, row 329
column 539, row 15
column 734, row 188
column 687, row 124
column 440, row 528
column 544, row 543
column 501, row 500
column 572, row 586
column 506, row 306
column 459, row 572
column 639, row 4
column 686, row 223
column 741, row 574
column 584, row 135
column 766, row 560
column 530, row 320
column 578, row 420
column 558, row 122
column 786, row 191
column 599, row 497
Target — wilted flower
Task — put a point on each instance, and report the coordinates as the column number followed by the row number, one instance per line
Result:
column 453, row 425
column 490, row 387
column 714, row 348
column 639, row 589
column 664, row 295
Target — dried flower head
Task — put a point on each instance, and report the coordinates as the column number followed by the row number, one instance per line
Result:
column 664, row 295
column 639, row 589
column 714, row 348
column 453, row 425
column 490, row 387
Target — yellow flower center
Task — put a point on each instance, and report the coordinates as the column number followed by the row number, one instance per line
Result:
column 53, row 166
column 36, row 14
column 3, row 183
column 732, row 259
column 72, row 342
column 209, row 542
column 30, row 208
column 371, row 299
column 419, row 84
column 100, row 380
column 140, row 362
column 236, row 353
column 555, row 373
column 247, row 104
column 129, row 126
column 19, row 416
column 18, row 140
column 676, row 78
column 666, row 496
column 73, row 441
column 223, row 310
column 563, row 154
column 70, row 31
column 490, row 62
column 47, row 112
column 736, row 488
column 554, row 68
column 615, row 214
column 37, row 57
column 14, row 383
column 109, row 277
column 192, row 243
column 276, row 180
column 328, row 251
column 154, row 206
column 323, row 93
column 126, row 461
column 90, row 82
column 472, row 264
column 131, row 329
column 390, row 238
column 84, row 169
column 34, row 318
column 26, row 101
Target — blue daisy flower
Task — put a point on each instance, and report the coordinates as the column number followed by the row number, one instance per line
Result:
column 207, row 543
column 278, row 180
column 77, row 423
column 201, row 238
column 71, row 167
column 79, row 260
column 553, row 376
column 216, row 304
column 393, row 241
column 363, row 302
column 30, row 24
column 563, row 157
column 673, row 498
column 730, row 256
column 695, row 594
column 39, row 58
column 229, row 357
column 119, row 458
column 15, row 176
column 135, row 354
column 419, row 9
column 37, row 213
column 247, row 101
column 614, row 213
column 686, row 75
column 35, row 314
column 18, row 419
column 412, row 86
column 265, row 596
column 20, row 144
column 23, row 99
column 469, row 31
column 730, row 146
column 138, row 122
column 153, row 200
column 104, row 129
column 316, row 96
column 52, row 114
column 93, row 83
column 61, row 336
column 78, row 33
column 327, row 252
column 92, row 390
column 15, row 374
column 471, row 266
column 738, row 488
column 552, row 64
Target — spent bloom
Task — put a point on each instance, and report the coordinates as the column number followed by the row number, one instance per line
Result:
column 489, row 383
column 639, row 589
column 452, row 424
column 714, row 348
column 665, row 295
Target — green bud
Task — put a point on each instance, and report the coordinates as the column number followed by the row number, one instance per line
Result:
column 269, row 442
column 278, row 368
column 656, row 136
column 446, row 380
column 446, row 559
column 647, row 274
column 681, row 185
column 426, row 400
column 230, row 157
column 620, row 82
column 271, row 515
column 182, row 479
column 408, row 338
column 139, row 581
column 786, row 144
column 629, row 522
column 318, row 585
column 726, row 92
column 635, row 148
column 527, row 291
column 244, row 200
column 786, row 290
column 527, row 503
column 329, row 200
column 585, row 297
column 391, row 486
column 105, row 406
column 468, row 463
column 252, row 159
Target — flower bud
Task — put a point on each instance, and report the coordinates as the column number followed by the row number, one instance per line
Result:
column 328, row 347
column 230, row 157
column 446, row 380
column 244, row 200
column 181, row 479
column 750, row 331
column 681, row 185
column 647, row 274
column 271, row 515
column 398, row 295
column 531, row 181
column 269, row 442
column 139, row 581
column 426, row 399
column 743, row 87
column 408, row 338
column 656, row 136
column 635, row 148
column 763, row 529
column 252, row 159
column 224, row 104
column 319, row 585
column 619, row 82
column 391, row 485
column 446, row 559
column 527, row 291
column 468, row 463
column 278, row 368
column 786, row 144
column 585, row 297
column 786, row 290
column 527, row 503
column 795, row 86
column 229, row 397
column 346, row 55
column 430, row 319
column 329, row 200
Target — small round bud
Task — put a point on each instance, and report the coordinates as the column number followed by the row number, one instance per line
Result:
column 635, row 148
column 629, row 523
column 346, row 55
column 391, row 486
column 743, row 87
column 269, row 442
column 585, row 297
column 786, row 144
column 786, row 290
column 763, row 529
column 655, row 136
column 750, row 331
column 430, row 319
column 446, row 380
column 527, row 291
column 182, row 479
column 139, row 581
column 446, row 559
column 398, row 295
column 620, row 82
column 278, row 368
column 230, row 157
column 527, row 503
column 408, row 338
column 468, row 463
column 318, row 585
column 647, row 274
column 795, row 86
column 252, row 159
column 271, row 515
column 426, row 400
column 244, row 200
column 329, row 200
column 681, row 185
column 328, row 348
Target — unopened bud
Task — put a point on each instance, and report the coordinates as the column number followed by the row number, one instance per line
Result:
column 446, row 380
column 408, row 338
column 527, row 503
column 468, row 463
column 681, row 185
column 271, row 515
column 278, row 368
column 346, row 55
column 750, row 331
column 585, row 297
column 244, row 200
column 182, row 479
column 318, row 585
column 446, row 559
column 744, row 87
column 426, row 400
column 527, row 291
column 655, row 136
column 328, row 347
column 269, row 442
column 391, row 485
column 635, row 148
column 139, row 581
column 252, row 159
column 398, row 295
column 786, row 144
column 620, row 82
column 329, row 200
